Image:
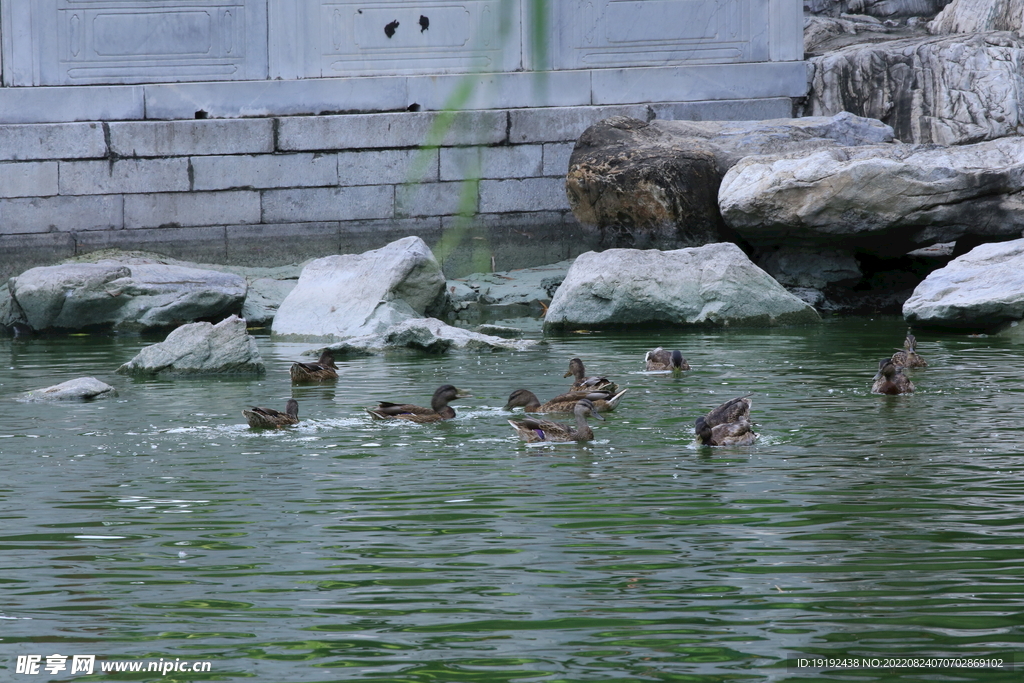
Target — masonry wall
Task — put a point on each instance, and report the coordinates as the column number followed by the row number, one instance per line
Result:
column 276, row 190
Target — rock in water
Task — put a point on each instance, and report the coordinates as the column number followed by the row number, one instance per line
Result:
column 200, row 349
column 80, row 389
column 359, row 294
column 711, row 285
column 124, row 295
column 980, row 290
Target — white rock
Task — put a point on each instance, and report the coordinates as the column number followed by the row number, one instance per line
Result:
column 198, row 349
column 80, row 389
column 427, row 334
column 125, row 295
column 358, row 294
column 983, row 288
column 711, row 285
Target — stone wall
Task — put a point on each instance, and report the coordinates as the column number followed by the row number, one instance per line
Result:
column 275, row 190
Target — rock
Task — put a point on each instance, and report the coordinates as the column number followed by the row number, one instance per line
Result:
column 359, row 294
column 976, row 16
column 264, row 298
column 947, row 89
column 80, row 389
column 884, row 200
column 711, row 285
column 427, row 334
column 979, row 290
column 810, row 269
column 200, row 349
column 875, row 8
column 502, row 331
column 642, row 183
column 135, row 296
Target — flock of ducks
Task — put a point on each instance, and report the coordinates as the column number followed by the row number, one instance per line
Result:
column 726, row 425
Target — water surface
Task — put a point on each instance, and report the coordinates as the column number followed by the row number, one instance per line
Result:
column 158, row 525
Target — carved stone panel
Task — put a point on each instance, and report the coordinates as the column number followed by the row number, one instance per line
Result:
column 622, row 33
column 135, row 41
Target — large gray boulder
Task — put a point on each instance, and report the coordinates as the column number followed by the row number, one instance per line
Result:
column 641, row 184
column 979, row 290
column 359, row 294
column 79, row 389
column 426, row 334
column 976, row 16
column 200, row 349
column 123, row 295
column 711, row 285
column 884, row 200
column 947, row 89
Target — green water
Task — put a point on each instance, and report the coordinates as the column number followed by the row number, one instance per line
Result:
column 158, row 525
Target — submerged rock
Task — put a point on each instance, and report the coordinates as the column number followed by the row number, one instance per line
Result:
column 979, row 290
column 134, row 295
column 200, row 349
column 427, row 334
column 359, row 294
column 80, row 389
column 711, row 285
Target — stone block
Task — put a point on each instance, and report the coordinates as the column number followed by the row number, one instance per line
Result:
column 52, row 141
column 200, row 245
column 556, row 158
column 436, row 199
column 73, row 103
column 310, row 97
column 183, row 138
column 516, row 161
column 725, row 110
column 559, row 124
column 531, row 194
column 34, row 249
column 128, row 176
column 501, row 91
column 701, row 82
column 279, row 244
column 264, row 171
column 328, row 204
column 402, row 129
column 28, row 179
column 182, row 209
column 60, row 214
column 389, row 166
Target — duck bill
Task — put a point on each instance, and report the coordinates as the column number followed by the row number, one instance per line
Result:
column 463, row 393
column 596, row 415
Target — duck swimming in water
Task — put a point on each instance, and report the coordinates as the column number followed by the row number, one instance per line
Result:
column 907, row 356
column 727, row 425
column 438, row 410
column 322, row 370
column 604, row 401
column 268, row 418
column 890, row 379
column 584, row 383
column 532, row 430
column 663, row 359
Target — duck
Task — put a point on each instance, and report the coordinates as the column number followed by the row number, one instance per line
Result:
column 663, row 359
column 907, row 356
column 604, row 401
column 321, row 371
column 439, row 409
column 533, row 430
column 584, row 383
column 727, row 425
column 268, row 418
column 890, row 379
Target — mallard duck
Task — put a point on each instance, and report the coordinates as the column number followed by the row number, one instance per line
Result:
column 890, row 379
column 438, row 410
column 584, row 383
column 268, row 418
column 663, row 359
column 604, row 401
column 320, row 371
column 726, row 425
column 532, row 429
column 907, row 356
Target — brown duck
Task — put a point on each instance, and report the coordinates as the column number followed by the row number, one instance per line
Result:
column 727, row 425
column 660, row 359
column 604, row 401
column 439, row 409
column 268, row 418
column 890, row 379
column 321, row 371
column 533, row 430
column 584, row 383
